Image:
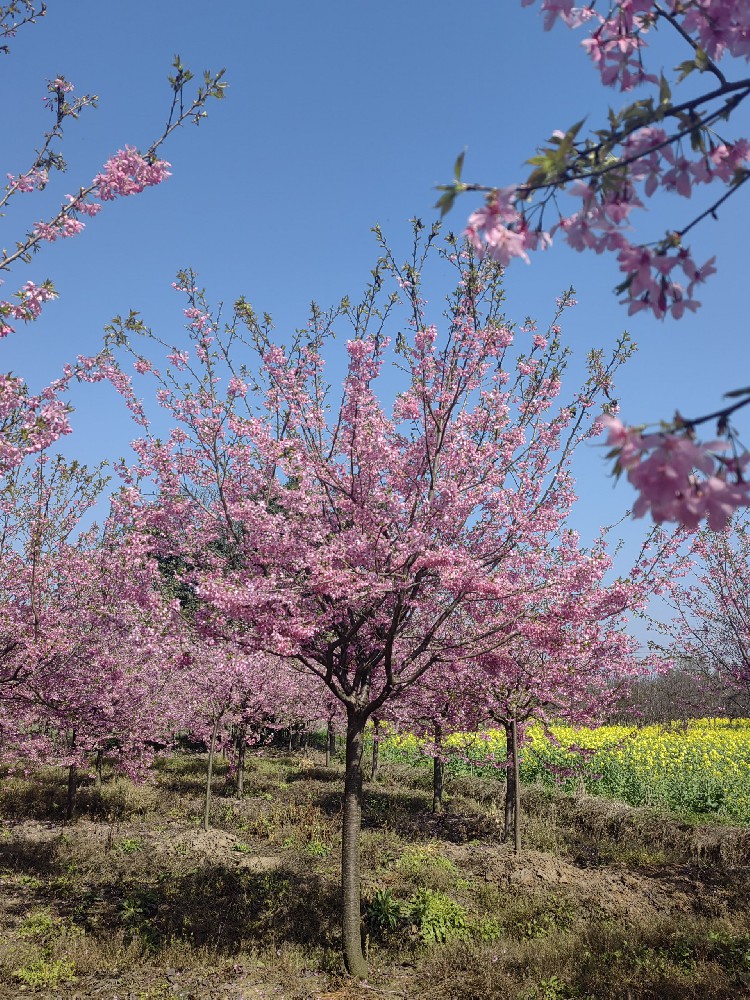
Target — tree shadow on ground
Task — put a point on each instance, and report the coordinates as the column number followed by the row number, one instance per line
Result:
column 220, row 906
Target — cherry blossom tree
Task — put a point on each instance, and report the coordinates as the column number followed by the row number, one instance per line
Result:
column 368, row 548
column 587, row 187
column 572, row 662
column 30, row 422
column 711, row 624
column 83, row 626
column 570, row 657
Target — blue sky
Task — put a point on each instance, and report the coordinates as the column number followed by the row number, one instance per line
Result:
column 339, row 115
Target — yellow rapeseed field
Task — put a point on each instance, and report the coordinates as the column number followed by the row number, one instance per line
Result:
column 696, row 767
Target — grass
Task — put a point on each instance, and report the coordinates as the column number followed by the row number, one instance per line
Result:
column 135, row 899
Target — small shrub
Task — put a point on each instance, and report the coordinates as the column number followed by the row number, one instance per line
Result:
column 554, row 989
column 487, row 929
column 558, row 916
column 39, row 926
column 424, row 866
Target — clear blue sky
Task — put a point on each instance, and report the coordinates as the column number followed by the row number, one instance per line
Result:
column 338, row 115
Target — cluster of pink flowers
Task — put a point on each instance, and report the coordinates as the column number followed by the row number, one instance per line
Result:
column 663, row 277
column 57, row 89
column 31, row 299
column 33, row 180
column 499, row 229
column 679, row 479
column 62, row 227
column 127, row 172
column 40, row 420
column 618, row 37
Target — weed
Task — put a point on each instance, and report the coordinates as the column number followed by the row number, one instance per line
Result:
column 487, row 929
column 130, row 845
column 29, row 882
column 243, row 848
column 730, row 950
column 44, row 973
column 137, row 915
column 556, row 916
column 317, row 849
column 39, row 926
column 437, row 917
column 43, row 928
column 553, row 988
column 425, row 866
column 384, row 911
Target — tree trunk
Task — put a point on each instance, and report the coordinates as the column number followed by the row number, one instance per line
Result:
column 330, row 742
column 438, row 770
column 350, row 867
column 209, row 778
column 70, row 798
column 241, row 743
column 99, row 766
column 510, row 779
column 516, row 790
column 375, row 748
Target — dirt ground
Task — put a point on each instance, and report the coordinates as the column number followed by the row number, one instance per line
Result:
column 151, row 906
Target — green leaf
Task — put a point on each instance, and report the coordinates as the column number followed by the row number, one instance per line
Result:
column 697, row 140
column 686, row 68
column 665, row 93
column 445, row 201
column 459, row 165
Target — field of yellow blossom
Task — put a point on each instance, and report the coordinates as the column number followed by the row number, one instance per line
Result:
column 700, row 767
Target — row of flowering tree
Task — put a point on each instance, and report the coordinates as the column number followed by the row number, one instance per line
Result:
column 97, row 653
column 396, row 535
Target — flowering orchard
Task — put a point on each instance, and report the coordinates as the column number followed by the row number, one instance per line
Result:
column 588, row 188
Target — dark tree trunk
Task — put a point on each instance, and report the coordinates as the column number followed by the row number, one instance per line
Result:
column 241, row 744
column 516, row 791
column 512, row 787
column 70, row 798
column 375, row 749
column 438, row 770
column 330, row 742
column 209, row 776
column 350, row 866
column 99, row 767
column 510, row 774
